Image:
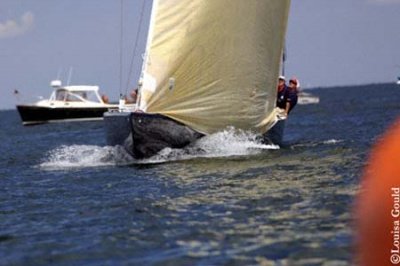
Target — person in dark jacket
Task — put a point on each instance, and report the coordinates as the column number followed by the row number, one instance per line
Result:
column 291, row 95
column 275, row 134
column 286, row 100
column 287, row 95
column 281, row 97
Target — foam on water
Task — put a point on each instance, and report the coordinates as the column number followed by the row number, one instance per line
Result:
column 79, row 156
column 332, row 141
column 223, row 144
column 226, row 143
column 317, row 143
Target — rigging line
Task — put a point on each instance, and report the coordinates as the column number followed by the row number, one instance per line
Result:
column 135, row 47
column 71, row 69
column 121, row 39
column 284, row 57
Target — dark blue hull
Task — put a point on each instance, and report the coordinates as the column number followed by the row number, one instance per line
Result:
column 144, row 135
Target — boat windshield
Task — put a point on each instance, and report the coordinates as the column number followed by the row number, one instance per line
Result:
column 61, row 95
column 73, row 97
column 89, row 96
column 76, row 96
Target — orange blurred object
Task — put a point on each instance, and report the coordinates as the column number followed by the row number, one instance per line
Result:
column 377, row 208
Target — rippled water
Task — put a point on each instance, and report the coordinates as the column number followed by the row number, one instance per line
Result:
column 68, row 199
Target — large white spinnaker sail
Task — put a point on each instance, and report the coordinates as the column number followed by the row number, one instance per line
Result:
column 214, row 63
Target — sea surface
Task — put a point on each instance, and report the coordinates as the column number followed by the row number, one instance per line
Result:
column 66, row 198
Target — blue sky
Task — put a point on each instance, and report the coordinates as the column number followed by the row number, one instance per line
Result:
column 329, row 43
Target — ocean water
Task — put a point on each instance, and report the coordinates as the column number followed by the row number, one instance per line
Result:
column 68, row 199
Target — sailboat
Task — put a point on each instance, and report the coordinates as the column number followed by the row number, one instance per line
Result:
column 208, row 65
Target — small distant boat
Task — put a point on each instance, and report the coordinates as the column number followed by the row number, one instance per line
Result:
column 307, row 98
column 66, row 103
column 398, row 81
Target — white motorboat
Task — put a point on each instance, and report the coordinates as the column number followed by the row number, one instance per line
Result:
column 66, row 103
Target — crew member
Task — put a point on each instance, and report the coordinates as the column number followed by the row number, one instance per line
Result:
column 132, row 96
column 291, row 95
column 104, row 98
column 282, row 88
column 275, row 134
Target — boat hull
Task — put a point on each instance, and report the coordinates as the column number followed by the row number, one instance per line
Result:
column 31, row 115
column 144, row 135
column 274, row 136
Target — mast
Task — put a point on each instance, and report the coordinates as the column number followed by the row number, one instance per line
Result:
column 146, row 60
column 284, row 56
